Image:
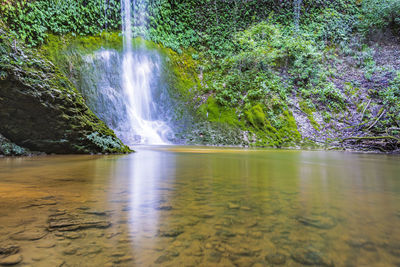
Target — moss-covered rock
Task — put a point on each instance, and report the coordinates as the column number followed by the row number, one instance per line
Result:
column 8, row 148
column 42, row 111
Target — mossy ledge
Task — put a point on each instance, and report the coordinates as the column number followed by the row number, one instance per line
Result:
column 42, row 111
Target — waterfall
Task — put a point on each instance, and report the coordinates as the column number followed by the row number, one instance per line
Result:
column 126, row 89
column 297, row 11
column 137, row 74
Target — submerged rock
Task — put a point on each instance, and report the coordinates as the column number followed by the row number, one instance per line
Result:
column 233, row 205
column 167, row 256
column 276, row 259
column 41, row 203
column 311, row 257
column 123, row 259
column 71, row 251
column 361, row 243
column 73, row 222
column 170, row 232
column 9, row 250
column 393, row 248
column 11, row 260
column 46, row 244
column 72, row 235
column 164, row 207
column 29, row 235
column 318, row 221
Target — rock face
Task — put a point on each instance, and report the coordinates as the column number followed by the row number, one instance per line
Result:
column 42, row 111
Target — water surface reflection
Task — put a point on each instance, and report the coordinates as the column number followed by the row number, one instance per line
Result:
column 194, row 206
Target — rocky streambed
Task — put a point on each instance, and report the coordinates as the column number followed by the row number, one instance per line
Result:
column 289, row 209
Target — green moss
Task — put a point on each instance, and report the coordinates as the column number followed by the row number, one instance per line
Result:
column 217, row 113
column 309, row 109
column 8, row 148
column 256, row 117
column 52, row 115
column 182, row 73
column 271, row 129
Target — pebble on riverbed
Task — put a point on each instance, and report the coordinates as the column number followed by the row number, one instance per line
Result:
column 9, row 250
column 276, row 259
column 11, row 260
column 319, row 221
column 311, row 257
column 73, row 222
column 29, row 235
column 233, row 205
column 170, row 232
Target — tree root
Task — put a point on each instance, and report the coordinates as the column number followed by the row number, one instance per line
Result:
column 371, row 138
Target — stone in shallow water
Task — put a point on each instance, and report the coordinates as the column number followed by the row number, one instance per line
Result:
column 46, row 244
column 256, row 234
column 168, row 256
column 98, row 213
column 124, row 259
column 9, row 249
column 41, row 202
column 164, row 206
column 118, row 254
column 71, row 251
column 369, row 246
column 393, row 249
column 214, row 256
column 92, row 251
column 361, row 243
column 72, row 235
column 276, row 259
column 11, row 260
column 29, row 235
column 356, row 242
column 72, row 222
column 310, row 257
column 233, row 205
column 318, row 221
column 170, row 232
column 83, row 208
column 225, row 233
column 205, row 215
column 243, row 262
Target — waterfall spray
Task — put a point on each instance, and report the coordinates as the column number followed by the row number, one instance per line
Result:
column 136, row 83
column 126, row 89
column 297, row 11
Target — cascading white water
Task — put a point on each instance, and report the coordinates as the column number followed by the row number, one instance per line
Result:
column 137, row 77
column 297, row 10
column 127, row 89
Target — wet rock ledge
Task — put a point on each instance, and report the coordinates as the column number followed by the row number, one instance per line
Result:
column 40, row 110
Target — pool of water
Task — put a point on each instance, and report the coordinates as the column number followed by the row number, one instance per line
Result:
column 198, row 206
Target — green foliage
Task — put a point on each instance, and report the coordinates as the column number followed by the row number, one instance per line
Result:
column 256, row 117
column 217, row 113
column 391, row 99
column 107, row 143
column 379, row 14
column 331, row 25
column 246, row 57
column 31, row 21
column 8, row 148
column 253, row 73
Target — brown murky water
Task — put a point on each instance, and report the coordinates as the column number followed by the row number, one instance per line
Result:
column 193, row 206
